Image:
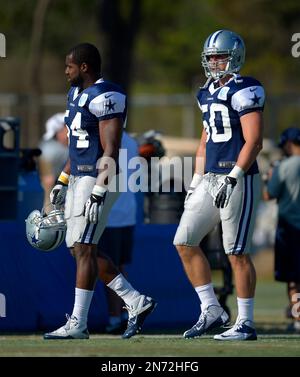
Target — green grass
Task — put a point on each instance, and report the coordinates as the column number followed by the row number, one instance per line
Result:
column 271, row 324
column 149, row 345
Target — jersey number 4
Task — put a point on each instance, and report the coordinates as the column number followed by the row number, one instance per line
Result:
column 77, row 131
column 218, row 131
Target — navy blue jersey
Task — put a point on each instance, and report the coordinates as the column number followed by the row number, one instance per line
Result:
column 100, row 101
column 222, row 108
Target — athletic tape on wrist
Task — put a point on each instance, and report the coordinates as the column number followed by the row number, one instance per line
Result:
column 99, row 190
column 64, row 178
column 196, row 180
column 236, row 172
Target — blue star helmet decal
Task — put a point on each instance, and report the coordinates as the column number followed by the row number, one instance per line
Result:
column 34, row 239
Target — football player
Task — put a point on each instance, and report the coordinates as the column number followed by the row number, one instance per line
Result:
column 226, row 185
column 95, row 116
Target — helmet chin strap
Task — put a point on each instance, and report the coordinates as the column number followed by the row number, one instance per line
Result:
column 227, row 66
column 226, row 70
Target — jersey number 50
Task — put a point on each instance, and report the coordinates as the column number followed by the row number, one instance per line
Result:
column 217, row 134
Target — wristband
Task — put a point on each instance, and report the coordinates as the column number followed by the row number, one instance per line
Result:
column 196, row 180
column 64, row 178
column 236, row 172
column 99, row 190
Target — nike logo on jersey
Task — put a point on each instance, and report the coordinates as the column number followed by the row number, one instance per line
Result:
column 107, row 95
column 252, row 90
column 72, row 104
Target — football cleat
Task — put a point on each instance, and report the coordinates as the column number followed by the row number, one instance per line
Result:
column 71, row 330
column 242, row 330
column 211, row 317
column 138, row 312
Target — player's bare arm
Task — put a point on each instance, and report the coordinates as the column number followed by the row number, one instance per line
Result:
column 199, row 166
column 252, row 128
column 67, row 167
column 200, row 154
column 59, row 191
column 110, row 137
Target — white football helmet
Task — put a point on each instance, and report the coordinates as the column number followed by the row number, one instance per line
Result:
column 46, row 232
column 223, row 42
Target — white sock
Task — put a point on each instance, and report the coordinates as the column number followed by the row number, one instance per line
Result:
column 82, row 303
column 123, row 289
column 245, row 309
column 206, row 295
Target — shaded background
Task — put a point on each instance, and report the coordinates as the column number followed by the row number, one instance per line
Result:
column 153, row 49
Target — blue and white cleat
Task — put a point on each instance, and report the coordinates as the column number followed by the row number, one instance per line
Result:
column 138, row 312
column 242, row 330
column 211, row 317
column 71, row 330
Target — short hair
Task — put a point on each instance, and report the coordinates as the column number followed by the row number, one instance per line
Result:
column 87, row 53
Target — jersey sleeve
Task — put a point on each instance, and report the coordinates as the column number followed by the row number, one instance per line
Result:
column 199, row 100
column 250, row 98
column 108, row 105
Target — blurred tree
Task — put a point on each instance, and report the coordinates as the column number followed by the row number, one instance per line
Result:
column 168, row 35
column 153, row 45
column 170, row 43
column 34, row 89
column 267, row 27
column 119, row 22
column 267, row 34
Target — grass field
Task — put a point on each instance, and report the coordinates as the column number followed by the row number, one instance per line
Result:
column 150, row 345
column 271, row 325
